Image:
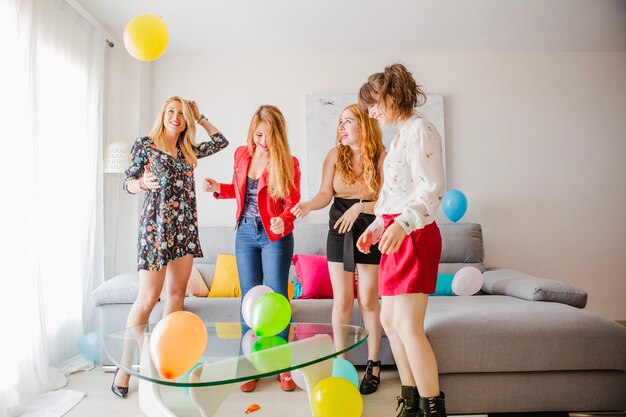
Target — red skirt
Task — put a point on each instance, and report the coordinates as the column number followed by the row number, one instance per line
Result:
column 413, row 268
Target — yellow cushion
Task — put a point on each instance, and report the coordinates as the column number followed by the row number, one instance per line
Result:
column 225, row 280
column 228, row 330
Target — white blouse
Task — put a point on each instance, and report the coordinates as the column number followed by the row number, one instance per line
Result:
column 414, row 178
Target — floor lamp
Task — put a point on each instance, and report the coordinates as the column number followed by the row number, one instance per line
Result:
column 116, row 160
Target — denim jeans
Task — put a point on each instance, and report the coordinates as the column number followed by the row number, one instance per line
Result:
column 260, row 261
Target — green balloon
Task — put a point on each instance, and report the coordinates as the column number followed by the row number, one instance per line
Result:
column 271, row 313
column 270, row 354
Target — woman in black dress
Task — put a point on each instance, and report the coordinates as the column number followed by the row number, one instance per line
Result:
column 162, row 166
column 351, row 178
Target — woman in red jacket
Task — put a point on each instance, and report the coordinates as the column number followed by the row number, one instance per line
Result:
column 266, row 185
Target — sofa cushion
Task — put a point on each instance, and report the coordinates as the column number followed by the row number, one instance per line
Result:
column 121, row 289
column 297, row 289
column 226, row 279
column 527, row 287
column 462, row 243
column 196, row 283
column 313, row 274
column 495, row 333
column 444, row 285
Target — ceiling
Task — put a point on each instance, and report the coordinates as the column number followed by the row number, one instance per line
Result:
column 374, row 25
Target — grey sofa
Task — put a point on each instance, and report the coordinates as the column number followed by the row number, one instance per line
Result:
column 524, row 345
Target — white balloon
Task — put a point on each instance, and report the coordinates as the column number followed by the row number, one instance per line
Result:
column 298, row 378
column 247, row 343
column 249, row 299
column 467, row 281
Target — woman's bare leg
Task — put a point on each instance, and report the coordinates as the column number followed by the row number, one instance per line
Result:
column 178, row 272
column 150, row 285
column 387, row 319
column 370, row 309
column 343, row 298
column 418, row 350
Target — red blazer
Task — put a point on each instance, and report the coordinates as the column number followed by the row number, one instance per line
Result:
column 268, row 207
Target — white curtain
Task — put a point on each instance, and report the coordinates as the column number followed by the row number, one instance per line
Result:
column 51, row 81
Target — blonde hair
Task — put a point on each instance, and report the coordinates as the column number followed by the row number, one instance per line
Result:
column 396, row 82
column 186, row 139
column 280, row 166
column 371, row 142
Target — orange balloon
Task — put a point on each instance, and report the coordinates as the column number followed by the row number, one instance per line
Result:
column 177, row 343
column 290, row 290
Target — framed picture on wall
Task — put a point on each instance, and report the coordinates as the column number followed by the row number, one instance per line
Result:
column 322, row 118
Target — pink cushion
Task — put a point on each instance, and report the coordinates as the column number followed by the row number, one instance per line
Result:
column 312, row 272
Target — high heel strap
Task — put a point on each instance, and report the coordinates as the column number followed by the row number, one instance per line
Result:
column 370, row 367
column 370, row 382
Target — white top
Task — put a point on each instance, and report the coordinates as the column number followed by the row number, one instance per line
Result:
column 414, row 181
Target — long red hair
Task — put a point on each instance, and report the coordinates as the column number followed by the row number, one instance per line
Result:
column 371, row 142
column 280, row 166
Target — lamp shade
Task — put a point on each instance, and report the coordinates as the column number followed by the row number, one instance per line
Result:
column 116, row 158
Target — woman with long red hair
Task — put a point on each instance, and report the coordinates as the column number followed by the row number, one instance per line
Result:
column 352, row 178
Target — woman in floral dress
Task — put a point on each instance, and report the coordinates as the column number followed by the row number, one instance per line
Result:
column 162, row 166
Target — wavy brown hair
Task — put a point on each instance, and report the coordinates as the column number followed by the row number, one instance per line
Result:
column 280, row 166
column 186, row 139
column 397, row 83
column 371, row 142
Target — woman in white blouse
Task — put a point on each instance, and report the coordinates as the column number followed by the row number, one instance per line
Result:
column 407, row 234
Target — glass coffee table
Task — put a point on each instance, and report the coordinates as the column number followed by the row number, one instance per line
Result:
column 232, row 357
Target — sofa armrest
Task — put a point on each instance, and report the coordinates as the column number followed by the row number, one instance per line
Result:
column 527, row 287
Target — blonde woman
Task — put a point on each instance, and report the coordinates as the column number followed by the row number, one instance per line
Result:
column 266, row 186
column 162, row 166
column 352, row 176
column 407, row 234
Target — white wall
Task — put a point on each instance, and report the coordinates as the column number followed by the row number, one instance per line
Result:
column 536, row 142
column 127, row 116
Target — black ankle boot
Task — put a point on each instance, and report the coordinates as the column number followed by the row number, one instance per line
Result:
column 408, row 401
column 433, row 406
column 370, row 382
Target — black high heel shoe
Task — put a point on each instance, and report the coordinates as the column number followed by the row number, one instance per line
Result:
column 121, row 392
column 370, row 382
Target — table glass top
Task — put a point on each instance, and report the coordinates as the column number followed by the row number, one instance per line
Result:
column 234, row 353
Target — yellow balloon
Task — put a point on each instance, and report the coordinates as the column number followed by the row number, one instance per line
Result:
column 146, row 37
column 177, row 343
column 336, row 397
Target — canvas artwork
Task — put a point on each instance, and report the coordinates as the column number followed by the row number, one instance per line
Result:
column 322, row 114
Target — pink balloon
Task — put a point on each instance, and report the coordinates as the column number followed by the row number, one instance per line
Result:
column 298, row 378
column 249, row 299
column 467, row 281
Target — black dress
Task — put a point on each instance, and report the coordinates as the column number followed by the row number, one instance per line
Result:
column 341, row 247
column 169, row 220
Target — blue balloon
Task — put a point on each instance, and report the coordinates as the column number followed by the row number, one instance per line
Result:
column 89, row 346
column 344, row 369
column 454, row 205
column 185, row 378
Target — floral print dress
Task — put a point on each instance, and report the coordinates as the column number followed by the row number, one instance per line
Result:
column 169, row 219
